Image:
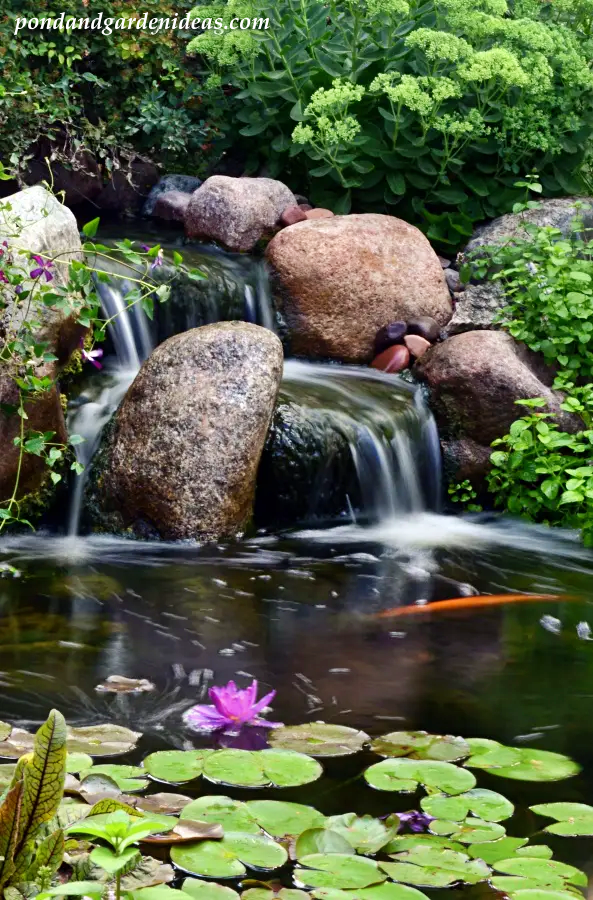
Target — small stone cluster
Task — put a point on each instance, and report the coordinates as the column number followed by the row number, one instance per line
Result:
column 397, row 343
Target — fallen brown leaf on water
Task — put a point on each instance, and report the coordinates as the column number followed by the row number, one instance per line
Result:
column 187, row 830
column 119, row 684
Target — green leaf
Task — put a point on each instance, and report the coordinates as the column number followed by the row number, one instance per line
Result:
column 231, row 814
column 338, row 871
column 385, row 891
column 287, row 768
column 470, row 831
column 9, row 830
column 435, row 867
column 90, row 229
column 127, row 778
column 319, row 739
column 74, row 889
column 546, row 872
column 573, row 819
column 229, row 857
column 321, row 840
column 113, row 862
column 102, row 740
column 50, row 855
column 238, row 767
column 406, row 774
column 206, row 890
column 176, row 766
column 364, row 833
column 421, row 745
column 281, row 819
column 396, row 182
column 486, row 804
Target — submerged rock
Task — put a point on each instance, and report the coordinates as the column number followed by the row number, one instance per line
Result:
column 306, row 470
column 237, row 212
column 181, row 457
column 340, row 280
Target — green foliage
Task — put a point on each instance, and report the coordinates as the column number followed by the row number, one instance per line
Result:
column 29, row 850
column 425, row 109
column 462, row 493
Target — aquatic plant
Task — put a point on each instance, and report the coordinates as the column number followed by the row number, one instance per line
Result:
column 232, row 708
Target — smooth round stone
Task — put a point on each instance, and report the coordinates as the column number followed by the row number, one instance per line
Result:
column 320, row 213
column 416, row 345
column 394, row 359
column 389, row 335
column 292, row 215
column 426, row 327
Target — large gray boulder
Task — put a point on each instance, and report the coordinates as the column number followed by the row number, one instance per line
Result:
column 184, row 184
column 556, row 213
column 182, row 454
column 340, row 280
column 237, row 212
column 475, row 379
column 33, row 220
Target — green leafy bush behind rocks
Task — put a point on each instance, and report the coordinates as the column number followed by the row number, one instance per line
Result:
column 426, row 109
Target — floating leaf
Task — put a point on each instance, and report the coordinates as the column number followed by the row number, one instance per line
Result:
column 421, row 745
column 6, row 774
column 229, row 857
column 572, row 819
column 267, row 894
column 166, row 804
column 470, row 831
column 146, row 873
column 236, row 767
column 492, row 851
column 187, row 830
column 127, row 778
column 435, row 867
column 487, row 754
column 385, row 891
column 320, row 840
column 408, row 841
column 364, row 833
column 207, row 890
column 78, row 762
column 281, row 819
column 483, row 803
column 406, row 774
column 102, row 740
column 231, row 814
column 319, row 739
column 176, row 766
column 287, row 768
column 338, row 871
column 541, row 894
column 521, row 764
column 5, row 730
column 17, row 743
column 542, row 872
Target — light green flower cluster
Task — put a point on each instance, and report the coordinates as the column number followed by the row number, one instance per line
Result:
column 335, row 99
column 439, row 45
column 393, row 8
column 327, row 132
column 421, row 94
column 225, row 47
column 497, row 64
column 328, row 108
column 457, row 126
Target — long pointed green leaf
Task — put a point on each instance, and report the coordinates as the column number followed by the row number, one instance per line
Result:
column 49, row 854
column 43, row 782
column 9, row 830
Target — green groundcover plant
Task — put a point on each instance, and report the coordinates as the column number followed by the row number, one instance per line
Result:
column 424, row 109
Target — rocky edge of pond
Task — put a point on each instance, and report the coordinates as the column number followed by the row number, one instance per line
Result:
column 180, row 459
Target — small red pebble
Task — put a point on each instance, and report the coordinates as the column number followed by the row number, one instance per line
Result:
column 320, row 213
column 292, row 215
column 394, row 359
column 416, row 345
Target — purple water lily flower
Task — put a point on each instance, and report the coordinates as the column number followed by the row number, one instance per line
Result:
column 415, row 820
column 43, row 268
column 232, row 708
column 93, row 357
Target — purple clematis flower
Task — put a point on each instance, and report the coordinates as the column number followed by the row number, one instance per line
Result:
column 3, row 277
column 158, row 259
column 93, row 357
column 43, row 268
column 232, row 708
column 415, row 820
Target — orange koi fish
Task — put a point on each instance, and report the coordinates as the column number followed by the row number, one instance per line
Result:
column 474, row 602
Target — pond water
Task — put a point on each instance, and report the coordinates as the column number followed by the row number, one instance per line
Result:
column 299, row 611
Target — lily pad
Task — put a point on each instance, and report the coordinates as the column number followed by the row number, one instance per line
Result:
column 6, row 773
column 319, row 739
column 385, row 891
column 288, row 768
column 406, row 774
column 129, row 779
column 409, row 841
column 320, row 840
column 364, row 833
column 492, row 851
column 176, row 766
column 207, row 890
column 435, row 867
column 267, row 894
column 544, row 872
column 229, row 857
column 337, row 870
column 231, row 814
column 165, row 804
column 541, row 894
column 260, row 768
column 572, row 819
column 102, row 740
column 5, row 730
column 78, row 762
column 282, row 819
column 17, row 743
column 483, row 803
column 520, row 764
column 470, row 831
column 421, row 745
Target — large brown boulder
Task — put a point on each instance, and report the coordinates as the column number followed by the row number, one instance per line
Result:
column 237, row 212
column 340, row 280
column 187, row 440
column 475, row 379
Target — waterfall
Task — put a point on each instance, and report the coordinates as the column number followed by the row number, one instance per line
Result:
column 390, row 431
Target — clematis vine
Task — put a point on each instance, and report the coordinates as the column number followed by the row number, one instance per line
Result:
column 232, row 708
column 92, row 357
column 158, row 259
column 44, row 267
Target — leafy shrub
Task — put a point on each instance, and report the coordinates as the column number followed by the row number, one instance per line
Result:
column 426, row 109
column 85, row 90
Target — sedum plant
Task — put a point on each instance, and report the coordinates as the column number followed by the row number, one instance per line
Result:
column 424, row 109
